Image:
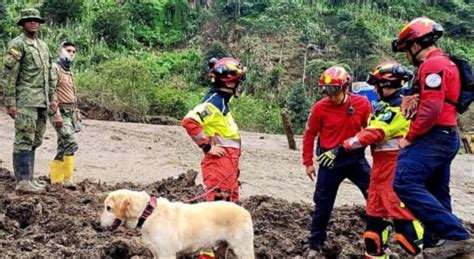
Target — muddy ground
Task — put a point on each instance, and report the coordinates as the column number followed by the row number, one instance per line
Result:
column 64, row 222
column 118, row 152
column 141, row 156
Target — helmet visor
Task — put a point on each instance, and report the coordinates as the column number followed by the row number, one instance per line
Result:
column 329, row 89
column 396, row 46
column 371, row 79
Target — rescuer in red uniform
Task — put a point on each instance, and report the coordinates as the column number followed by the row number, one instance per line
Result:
column 423, row 168
column 386, row 128
column 333, row 119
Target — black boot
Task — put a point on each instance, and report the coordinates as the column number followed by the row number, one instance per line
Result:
column 21, row 165
column 22, row 168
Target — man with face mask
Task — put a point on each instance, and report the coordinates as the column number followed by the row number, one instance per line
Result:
column 213, row 129
column 62, row 167
column 333, row 119
column 29, row 90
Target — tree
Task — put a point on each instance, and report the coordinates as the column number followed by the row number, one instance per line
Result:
column 358, row 33
column 299, row 106
column 3, row 10
column 62, row 11
column 275, row 89
column 113, row 25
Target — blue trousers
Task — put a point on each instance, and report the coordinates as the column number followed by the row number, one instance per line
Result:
column 328, row 181
column 422, row 182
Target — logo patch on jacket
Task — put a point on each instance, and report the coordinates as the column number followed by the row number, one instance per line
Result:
column 16, row 54
column 387, row 117
column 433, row 81
column 206, row 112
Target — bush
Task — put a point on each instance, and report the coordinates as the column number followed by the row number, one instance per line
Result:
column 358, row 33
column 257, row 114
column 113, row 25
column 146, row 17
column 165, row 65
column 299, row 107
column 144, row 12
column 122, row 84
column 166, row 100
column 61, row 11
column 3, row 10
column 457, row 29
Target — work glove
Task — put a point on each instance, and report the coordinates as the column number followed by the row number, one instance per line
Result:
column 327, row 158
column 409, row 106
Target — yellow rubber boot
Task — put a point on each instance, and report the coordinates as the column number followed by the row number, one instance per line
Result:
column 68, row 170
column 56, row 172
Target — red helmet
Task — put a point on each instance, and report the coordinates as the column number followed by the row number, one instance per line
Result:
column 334, row 79
column 226, row 70
column 391, row 74
column 421, row 30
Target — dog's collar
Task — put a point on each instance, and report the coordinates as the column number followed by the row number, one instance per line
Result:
column 148, row 210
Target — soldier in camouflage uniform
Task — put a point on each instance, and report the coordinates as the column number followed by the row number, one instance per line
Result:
column 62, row 167
column 28, row 90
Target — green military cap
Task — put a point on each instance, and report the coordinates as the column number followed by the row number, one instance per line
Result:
column 30, row 14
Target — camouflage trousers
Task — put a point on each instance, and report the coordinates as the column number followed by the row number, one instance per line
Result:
column 67, row 141
column 30, row 126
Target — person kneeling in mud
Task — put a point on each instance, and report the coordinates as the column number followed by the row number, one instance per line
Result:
column 213, row 129
column 386, row 127
column 64, row 119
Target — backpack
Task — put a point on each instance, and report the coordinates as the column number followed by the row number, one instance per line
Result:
column 466, row 95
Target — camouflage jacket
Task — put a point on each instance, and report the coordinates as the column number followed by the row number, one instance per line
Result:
column 27, row 79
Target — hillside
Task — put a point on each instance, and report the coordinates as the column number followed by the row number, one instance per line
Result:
column 163, row 45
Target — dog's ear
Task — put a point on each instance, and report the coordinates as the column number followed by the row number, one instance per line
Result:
column 121, row 207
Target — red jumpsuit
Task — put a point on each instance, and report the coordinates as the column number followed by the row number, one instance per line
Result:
column 387, row 125
column 211, row 123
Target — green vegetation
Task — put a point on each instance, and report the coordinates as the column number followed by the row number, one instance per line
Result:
column 150, row 57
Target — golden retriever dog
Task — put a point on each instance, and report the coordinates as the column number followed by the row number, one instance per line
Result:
column 169, row 228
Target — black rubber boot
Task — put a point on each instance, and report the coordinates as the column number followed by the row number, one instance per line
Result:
column 22, row 165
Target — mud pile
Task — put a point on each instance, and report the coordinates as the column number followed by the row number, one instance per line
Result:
column 64, row 222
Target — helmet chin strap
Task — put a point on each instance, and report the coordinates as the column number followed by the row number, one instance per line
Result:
column 343, row 98
column 234, row 89
column 227, row 91
column 389, row 97
column 414, row 55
